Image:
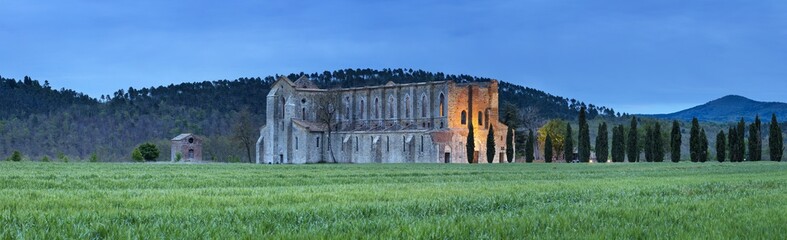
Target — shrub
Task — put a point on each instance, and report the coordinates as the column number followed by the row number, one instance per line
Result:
column 178, row 157
column 136, row 155
column 16, row 156
column 45, row 159
column 149, row 151
column 93, row 157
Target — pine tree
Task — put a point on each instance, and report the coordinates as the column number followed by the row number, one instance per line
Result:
column 583, row 144
column 658, row 144
column 568, row 145
column 721, row 146
column 741, row 141
column 509, row 145
column 675, row 142
column 649, row 144
column 703, row 146
column 775, row 140
column 490, row 145
column 529, row 148
column 632, row 145
column 470, row 143
column 548, row 149
column 602, row 148
column 694, row 140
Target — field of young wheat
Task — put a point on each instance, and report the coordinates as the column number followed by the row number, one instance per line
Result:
column 227, row 201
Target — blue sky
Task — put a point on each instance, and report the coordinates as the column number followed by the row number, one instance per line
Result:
column 644, row 56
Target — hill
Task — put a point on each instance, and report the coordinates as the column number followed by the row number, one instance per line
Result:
column 40, row 121
column 729, row 109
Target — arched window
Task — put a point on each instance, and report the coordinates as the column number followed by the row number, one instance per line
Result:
column 318, row 141
column 283, row 103
column 387, row 143
column 191, row 153
column 296, row 143
column 376, row 108
column 480, row 119
column 442, row 105
column 391, row 109
column 423, row 106
column 407, row 106
column 464, row 117
column 303, row 113
column 360, row 110
column 347, row 108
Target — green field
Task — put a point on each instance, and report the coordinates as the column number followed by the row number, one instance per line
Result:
column 227, row 201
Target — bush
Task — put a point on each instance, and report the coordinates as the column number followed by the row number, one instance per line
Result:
column 62, row 157
column 136, row 155
column 16, row 156
column 45, row 159
column 149, row 151
column 178, row 157
column 93, row 157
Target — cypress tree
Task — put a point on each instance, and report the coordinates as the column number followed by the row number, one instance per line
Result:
column 759, row 137
column 775, row 140
column 649, row 144
column 755, row 147
column 675, row 142
column 741, row 141
column 703, row 146
column 632, row 145
column 732, row 141
column 509, row 145
column 721, row 146
column 694, row 140
column 658, row 144
column 616, row 144
column 583, row 144
column 529, row 151
column 568, row 145
column 620, row 147
column 470, row 146
column 548, row 149
column 490, row 145
column 602, row 144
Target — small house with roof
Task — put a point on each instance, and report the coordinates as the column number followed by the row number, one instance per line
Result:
column 188, row 146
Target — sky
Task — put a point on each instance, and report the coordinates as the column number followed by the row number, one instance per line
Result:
column 643, row 56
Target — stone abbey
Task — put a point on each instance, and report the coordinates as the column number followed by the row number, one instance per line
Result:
column 393, row 123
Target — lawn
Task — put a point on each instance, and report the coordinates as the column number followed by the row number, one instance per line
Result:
column 228, row 201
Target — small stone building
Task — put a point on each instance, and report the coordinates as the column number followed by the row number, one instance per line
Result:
column 189, row 146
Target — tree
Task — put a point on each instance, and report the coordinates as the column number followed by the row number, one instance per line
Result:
column 149, row 151
column 548, row 149
column 470, row 145
column 775, row 140
column 328, row 105
column 529, row 151
column 602, row 147
column 658, row 144
column 755, row 147
column 721, row 146
column 243, row 132
column 568, row 145
column 741, row 142
column 732, row 138
column 694, row 140
column 509, row 144
column 632, row 145
column 490, row 145
column 675, row 142
column 136, row 155
column 618, row 144
column 649, row 144
column 555, row 128
column 16, row 156
column 703, row 146
column 583, row 141
column 94, row 157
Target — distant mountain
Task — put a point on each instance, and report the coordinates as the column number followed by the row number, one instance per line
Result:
column 728, row 109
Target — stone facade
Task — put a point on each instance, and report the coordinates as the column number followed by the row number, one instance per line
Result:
column 189, row 146
column 393, row 123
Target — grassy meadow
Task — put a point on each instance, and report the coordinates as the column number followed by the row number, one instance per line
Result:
column 230, row 201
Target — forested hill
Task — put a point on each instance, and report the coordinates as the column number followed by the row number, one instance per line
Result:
column 40, row 121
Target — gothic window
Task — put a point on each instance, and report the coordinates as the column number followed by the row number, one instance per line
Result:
column 423, row 106
column 404, row 145
column 387, row 144
column 422, row 143
column 303, row 113
column 360, row 112
column 283, row 103
column 464, row 117
column 442, row 105
column 191, row 154
column 391, row 107
column 296, row 143
column 347, row 108
column 376, row 108
column 318, row 142
column 480, row 119
column 356, row 144
column 407, row 106
column 486, row 118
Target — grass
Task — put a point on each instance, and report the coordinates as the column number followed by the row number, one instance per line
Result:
column 230, row 201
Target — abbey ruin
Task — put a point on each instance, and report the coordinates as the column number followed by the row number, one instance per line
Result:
column 392, row 123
